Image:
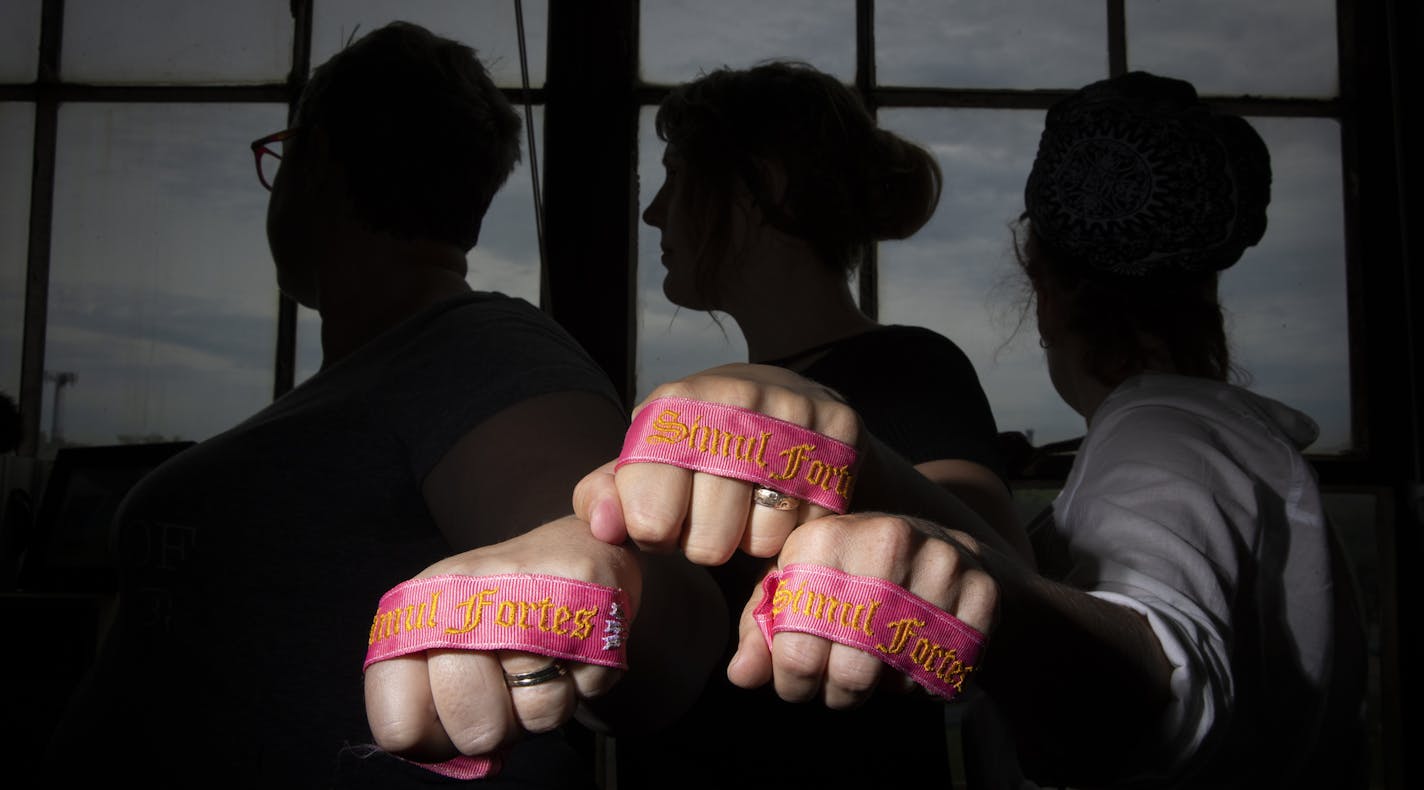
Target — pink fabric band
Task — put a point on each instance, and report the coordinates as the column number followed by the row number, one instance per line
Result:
column 905, row 631
column 729, row 441
column 549, row 615
column 535, row 613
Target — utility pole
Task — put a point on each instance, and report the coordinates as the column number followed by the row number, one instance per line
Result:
column 61, row 380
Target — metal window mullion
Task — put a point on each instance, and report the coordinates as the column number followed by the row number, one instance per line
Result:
column 1117, row 37
column 284, row 369
column 869, row 272
column 37, row 263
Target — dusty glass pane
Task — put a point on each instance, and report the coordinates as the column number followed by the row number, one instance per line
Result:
column 672, row 342
column 990, row 43
column 162, row 305
column 506, row 259
column 488, row 26
column 17, row 130
column 1285, row 298
column 176, row 41
column 1264, row 47
column 19, row 40
column 958, row 276
column 683, row 38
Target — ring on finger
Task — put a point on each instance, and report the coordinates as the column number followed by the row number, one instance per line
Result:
column 553, row 671
column 766, row 497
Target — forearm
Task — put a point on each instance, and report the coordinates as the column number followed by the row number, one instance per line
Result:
column 891, row 484
column 678, row 640
column 1082, row 681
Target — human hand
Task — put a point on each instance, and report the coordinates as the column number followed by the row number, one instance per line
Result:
column 434, row 705
column 942, row 569
column 666, row 508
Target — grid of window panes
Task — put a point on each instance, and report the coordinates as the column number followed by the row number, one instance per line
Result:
column 1285, row 300
column 162, row 308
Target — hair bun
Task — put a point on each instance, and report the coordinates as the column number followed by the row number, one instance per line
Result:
column 1136, row 176
column 905, row 183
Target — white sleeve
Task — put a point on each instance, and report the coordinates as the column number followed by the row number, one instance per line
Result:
column 1154, row 522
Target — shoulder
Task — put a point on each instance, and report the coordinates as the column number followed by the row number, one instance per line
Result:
column 497, row 329
column 909, row 350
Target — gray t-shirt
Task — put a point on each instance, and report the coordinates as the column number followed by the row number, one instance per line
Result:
column 254, row 560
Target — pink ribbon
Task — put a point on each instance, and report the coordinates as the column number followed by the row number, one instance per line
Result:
column 938, row 650
column 549, row 615
column 729, row 441
column 535, row 613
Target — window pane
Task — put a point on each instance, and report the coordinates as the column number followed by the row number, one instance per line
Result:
column 1265, row 47
column 19, row 40
column 17, row 131
column 1285, row 298
column 506, row 259
column 990, row 43
column 682, row 38
column 507, row 256
column 177, row 41
column 958, row 276
column 162, row 303
column 488, row 26
column 672, row 342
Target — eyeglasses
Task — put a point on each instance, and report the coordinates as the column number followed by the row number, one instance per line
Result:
column 268, row 159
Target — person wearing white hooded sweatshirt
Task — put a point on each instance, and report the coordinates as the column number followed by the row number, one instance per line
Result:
column 1230, row 652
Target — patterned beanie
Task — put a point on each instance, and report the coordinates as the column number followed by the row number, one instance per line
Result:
column 1136, row 177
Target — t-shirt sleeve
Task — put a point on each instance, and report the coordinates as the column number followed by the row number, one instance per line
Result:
column 919, row 394
column 475, row 360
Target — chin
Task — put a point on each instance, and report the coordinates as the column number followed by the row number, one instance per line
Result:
column 680, row 296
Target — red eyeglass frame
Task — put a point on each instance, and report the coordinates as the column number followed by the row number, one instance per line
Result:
column 260, row 148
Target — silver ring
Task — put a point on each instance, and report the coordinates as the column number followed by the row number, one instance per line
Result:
column 554, row 671
column 775, row 500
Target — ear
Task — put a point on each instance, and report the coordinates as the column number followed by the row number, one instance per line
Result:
column 773, row 174
column 772, row 199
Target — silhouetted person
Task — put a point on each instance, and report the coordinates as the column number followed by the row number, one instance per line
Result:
column 1199, row 628
column 778, row 183
column 441, row 419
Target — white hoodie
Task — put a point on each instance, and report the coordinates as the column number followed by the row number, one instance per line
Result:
column 1190, row 502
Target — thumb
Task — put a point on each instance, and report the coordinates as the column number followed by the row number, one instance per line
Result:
column 596, row 502
column 750, row 666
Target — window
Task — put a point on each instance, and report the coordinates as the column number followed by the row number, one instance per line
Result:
column 161, row 318
column 970, row 79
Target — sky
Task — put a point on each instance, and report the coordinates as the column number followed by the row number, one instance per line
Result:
column 163, row 303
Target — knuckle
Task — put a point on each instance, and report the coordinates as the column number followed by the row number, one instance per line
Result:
column 855, row 678
column 837, row 420
column 397, row 735
column 480, row 736
column 548, row 711
column 706, row 552
column 651, row 527
column 800, row 660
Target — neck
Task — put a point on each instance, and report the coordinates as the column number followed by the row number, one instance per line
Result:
column 789, row 302
column 373, row 282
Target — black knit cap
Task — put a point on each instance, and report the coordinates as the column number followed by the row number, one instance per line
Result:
column 1136, row 177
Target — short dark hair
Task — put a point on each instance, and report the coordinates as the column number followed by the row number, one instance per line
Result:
column 424, row 136
column 849, row 182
